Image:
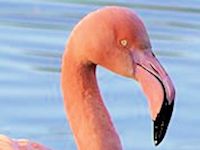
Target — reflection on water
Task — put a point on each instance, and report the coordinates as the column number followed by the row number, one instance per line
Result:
column 32, row 40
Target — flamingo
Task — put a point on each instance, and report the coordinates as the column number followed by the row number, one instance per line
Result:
column 115, row 38
column 7, row 143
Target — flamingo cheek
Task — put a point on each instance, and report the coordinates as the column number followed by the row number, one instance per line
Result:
column 152, row 88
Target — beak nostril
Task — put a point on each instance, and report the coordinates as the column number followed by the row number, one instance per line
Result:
column 154, row 70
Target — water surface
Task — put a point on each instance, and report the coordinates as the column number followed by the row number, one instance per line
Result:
column 32, row 40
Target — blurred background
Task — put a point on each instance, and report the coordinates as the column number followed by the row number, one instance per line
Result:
column 33, row 34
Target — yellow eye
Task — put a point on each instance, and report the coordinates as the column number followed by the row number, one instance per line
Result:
column 124, row 43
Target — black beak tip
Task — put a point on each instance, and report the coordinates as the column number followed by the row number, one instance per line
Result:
column 156, row 142
column 162, row 121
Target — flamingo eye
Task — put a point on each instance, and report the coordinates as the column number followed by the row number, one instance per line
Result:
column 124, row 42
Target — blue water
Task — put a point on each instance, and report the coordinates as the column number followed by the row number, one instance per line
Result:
column 33, row 34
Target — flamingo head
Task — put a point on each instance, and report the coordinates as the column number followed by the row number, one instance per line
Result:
column 116, row 38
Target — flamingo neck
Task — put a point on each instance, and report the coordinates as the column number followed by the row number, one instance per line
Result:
column 87, row 115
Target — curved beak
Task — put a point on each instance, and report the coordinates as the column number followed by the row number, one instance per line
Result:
column 159, row 90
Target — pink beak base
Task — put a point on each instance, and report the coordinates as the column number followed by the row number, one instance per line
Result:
column 160, row 93
column 152, row 89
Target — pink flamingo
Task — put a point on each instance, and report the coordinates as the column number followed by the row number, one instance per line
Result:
column 115, row 38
